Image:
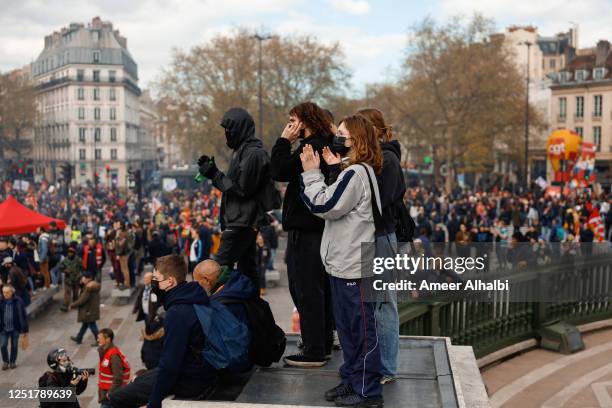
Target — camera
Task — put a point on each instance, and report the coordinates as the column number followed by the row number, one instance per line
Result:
column 80, row 371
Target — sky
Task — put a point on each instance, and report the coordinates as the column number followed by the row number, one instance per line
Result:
column 372, row 33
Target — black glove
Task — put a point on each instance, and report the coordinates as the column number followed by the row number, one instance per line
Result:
column 208, row 168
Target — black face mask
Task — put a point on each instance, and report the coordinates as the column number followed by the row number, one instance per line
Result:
column 338, row 145
column 232, row 140
column 161, row 294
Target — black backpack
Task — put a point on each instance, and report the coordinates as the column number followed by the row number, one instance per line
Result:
column 405, row 227
column 268, row 341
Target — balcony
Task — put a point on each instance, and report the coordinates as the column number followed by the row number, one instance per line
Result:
column 561, row 118
column 596, row 116
column 578, row 118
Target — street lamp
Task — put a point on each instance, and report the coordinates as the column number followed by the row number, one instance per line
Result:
column 260, row 38
column 526, row 165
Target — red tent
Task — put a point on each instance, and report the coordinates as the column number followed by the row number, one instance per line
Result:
column 18, row 219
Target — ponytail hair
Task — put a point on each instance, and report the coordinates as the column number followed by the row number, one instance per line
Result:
column 384, row 132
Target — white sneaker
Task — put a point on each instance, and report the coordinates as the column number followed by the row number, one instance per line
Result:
column 387, row 379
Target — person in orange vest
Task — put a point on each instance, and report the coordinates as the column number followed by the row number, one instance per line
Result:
column 114, row 370
column 94, row 257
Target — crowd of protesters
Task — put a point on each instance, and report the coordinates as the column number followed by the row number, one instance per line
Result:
column 343, row 181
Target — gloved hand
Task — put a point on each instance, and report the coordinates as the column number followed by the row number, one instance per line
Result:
column 207, row 165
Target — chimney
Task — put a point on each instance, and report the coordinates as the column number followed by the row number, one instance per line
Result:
column 601, row 53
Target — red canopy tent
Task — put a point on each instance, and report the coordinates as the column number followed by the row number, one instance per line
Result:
column 15, row 218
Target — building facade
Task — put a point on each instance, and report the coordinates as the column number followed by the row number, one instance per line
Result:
column 89, row 103
column 538, row 58
column 582, row 101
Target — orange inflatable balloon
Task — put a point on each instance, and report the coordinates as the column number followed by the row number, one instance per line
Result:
column 563, row 144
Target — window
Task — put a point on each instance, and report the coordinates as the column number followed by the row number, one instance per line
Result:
column 580, row 106
column 597, row 137
column 113, row 114
column 552, row 63
column 113, row 135
column 81, row 94
column 80, row 74
column 580, row 75
column 112, row 75
column 580, row 131
column 113, row 154
column 597, row 105
column 98, row 154
column 96, row 94
column 562, row 108
column 81, row 113
column 96, row 56
column 82, row 135
column 598, row 74
column 96, row 76
column 112, row 95
column 95, row 35
column 97, row 134
column 563, row 77
column 82, row 155
column 97, row 113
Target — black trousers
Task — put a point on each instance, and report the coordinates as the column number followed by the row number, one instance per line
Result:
column 136, row 393
column 310, row 291
column 238, row 246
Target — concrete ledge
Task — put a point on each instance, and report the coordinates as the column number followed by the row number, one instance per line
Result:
column 506, row 352
column 601, row 324
column 40, row 301
column 470, row 381
column 226, row 404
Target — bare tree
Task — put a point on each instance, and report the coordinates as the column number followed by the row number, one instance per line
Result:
column 201, row 84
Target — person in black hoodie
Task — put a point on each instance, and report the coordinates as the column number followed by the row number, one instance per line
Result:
column 392, row 188
column 308, row 281
column 248, row 174
column 181, row 370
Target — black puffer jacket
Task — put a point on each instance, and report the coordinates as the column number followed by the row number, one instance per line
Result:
column 391, row 183
column 248, row 173
column 287, row 166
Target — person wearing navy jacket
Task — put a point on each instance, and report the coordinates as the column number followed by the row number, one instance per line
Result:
column 181, row 370
column 13, row 322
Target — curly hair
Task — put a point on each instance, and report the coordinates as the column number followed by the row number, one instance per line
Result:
column 366, row 148
column 313, row 117
column 384, row 132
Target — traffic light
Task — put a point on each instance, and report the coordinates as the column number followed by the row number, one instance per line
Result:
column 96, row 178
column 131, row 179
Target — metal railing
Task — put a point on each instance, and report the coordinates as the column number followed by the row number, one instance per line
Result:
column 489, row 321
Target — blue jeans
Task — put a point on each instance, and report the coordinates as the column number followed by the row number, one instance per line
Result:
column 84, row 326
column 105, row 405
column 270, row 265
column 13, row 336
column 387, row 321
column 55, row 275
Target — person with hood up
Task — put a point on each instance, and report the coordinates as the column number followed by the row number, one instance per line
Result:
column 181, row 369
column 392, row 188
column 247, row 175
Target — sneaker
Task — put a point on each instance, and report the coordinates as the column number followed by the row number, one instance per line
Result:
column 13, row 365
column 5, row 366
column 348, row 400
column 386, row 379
column 300, row 360
column 372, row 402
column 337, row 391
column 300, row 343
column 73, row 338
column 356, row 400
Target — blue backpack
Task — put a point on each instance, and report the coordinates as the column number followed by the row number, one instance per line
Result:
column 227, row 339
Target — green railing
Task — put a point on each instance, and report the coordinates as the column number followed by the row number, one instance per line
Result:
column 493, row 320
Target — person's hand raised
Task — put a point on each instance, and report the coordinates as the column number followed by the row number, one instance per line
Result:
column 310, row 158
column 291, row 131
column 331, row 158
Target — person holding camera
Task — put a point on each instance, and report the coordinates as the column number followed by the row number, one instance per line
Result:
column 248, row 175
column 114, row 368
column 62, row 375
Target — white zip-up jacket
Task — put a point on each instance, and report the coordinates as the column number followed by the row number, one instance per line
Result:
column 346, row 207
